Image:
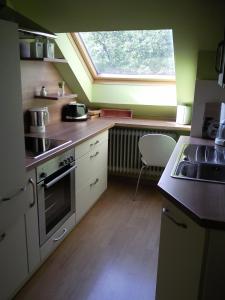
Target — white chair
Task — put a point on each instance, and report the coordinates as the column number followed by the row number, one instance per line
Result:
column 155, row 150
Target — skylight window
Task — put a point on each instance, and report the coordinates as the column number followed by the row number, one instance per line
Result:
column 140, row 54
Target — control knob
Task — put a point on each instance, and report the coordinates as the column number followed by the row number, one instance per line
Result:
column 61, row 164
column 43, row 175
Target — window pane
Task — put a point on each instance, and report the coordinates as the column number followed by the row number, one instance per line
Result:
column 133, row 52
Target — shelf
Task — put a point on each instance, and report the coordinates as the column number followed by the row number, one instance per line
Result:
column 53, row 60
column 56, row 97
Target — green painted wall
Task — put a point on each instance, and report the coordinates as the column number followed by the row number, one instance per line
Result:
column 138, row 94
column 80, row 83
column 197, row 26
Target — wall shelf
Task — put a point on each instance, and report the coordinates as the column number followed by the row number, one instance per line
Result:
column 53, row 60
column 56, row 97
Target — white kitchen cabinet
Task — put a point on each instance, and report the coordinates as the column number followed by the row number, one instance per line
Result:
column 12, row 150
column 31, row 219
column 181, row 250
column 89, row 194
column 13, row 258
column 91, row 173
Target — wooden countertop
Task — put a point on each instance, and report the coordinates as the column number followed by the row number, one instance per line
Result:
column 203, row 201
column 78, row 132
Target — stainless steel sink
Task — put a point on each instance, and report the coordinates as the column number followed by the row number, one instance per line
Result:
column 200, row 162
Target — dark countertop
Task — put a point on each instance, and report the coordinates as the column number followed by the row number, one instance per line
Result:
column 203, row 201
column 78, row 132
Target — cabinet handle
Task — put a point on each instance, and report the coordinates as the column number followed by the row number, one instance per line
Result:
column 61, row 236
column 94, row 155
column 2, row 236
column 34, row 194
column 22, row 189
column 94, row 183
column 166, row 212
column 95, row 143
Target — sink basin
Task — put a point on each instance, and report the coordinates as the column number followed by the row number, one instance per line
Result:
column 199, row 162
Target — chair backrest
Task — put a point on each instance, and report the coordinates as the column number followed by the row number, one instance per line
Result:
column 156, row 149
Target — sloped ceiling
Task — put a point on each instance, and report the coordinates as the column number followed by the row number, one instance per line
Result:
column 197, row 25
column 79, row 15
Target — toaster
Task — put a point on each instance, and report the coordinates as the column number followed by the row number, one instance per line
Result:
column 74, row 111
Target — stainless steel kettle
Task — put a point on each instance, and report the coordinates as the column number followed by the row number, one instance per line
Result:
column 39, row 118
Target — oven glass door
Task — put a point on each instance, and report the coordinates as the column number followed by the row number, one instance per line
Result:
column 56, row 201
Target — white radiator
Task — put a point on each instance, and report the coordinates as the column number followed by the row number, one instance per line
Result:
column 124, row 157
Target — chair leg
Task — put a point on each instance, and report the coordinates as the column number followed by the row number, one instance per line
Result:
column 139, row 177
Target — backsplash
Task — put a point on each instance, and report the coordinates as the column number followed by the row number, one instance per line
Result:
column 34, row 75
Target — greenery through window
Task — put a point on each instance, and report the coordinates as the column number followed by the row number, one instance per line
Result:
column 146, row 53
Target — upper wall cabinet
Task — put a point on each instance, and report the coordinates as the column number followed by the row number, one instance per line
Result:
column 12, row 150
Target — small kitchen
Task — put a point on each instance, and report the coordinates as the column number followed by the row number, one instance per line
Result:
column 54, row 204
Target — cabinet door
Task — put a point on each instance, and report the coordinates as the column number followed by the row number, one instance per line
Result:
column 180, row 256
column 87, row 196
column 12, row 152
column 13, row 259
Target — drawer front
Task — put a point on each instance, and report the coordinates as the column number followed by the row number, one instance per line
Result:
column 86, row 197
column 13, row 259
column 57, row 237
column 90, row 144
column 90, row 164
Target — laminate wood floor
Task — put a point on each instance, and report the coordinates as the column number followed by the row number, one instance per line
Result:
column 111, row 255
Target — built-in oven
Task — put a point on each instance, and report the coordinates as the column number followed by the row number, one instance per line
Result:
column 56, row 193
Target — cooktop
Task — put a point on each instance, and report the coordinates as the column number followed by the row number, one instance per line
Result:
column 37, row 146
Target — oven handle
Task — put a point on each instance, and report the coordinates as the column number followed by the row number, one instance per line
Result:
column 52, row 182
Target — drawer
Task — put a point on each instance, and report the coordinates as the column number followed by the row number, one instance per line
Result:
column 57, row 237
column 88, row 195
column 90, row 144
column 13, row 259
column 90, row 164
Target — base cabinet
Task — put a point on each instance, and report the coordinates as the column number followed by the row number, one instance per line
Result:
column 180, row 256
column 13, row 259
column 91, row 172
column 87, row 196
column 191, row 259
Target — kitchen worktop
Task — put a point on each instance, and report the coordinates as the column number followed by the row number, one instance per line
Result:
column 78, row 132
column 203, row 201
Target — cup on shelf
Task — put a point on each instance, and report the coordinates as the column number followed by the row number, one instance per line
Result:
column 61, row 90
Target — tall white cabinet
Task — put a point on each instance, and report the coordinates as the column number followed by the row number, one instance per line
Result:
column 12, row 152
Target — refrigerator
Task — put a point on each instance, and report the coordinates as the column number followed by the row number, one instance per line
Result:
column 12, row 149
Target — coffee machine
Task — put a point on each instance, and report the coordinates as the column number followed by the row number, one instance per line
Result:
column 220, row 136
column 39, row 118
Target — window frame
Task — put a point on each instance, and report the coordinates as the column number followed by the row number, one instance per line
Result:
column 111, row 78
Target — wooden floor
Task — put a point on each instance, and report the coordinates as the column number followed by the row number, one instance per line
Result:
column 111, row 255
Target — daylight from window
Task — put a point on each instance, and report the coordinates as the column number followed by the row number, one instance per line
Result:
column 147, row 53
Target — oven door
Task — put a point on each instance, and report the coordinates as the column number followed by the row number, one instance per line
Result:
column 56, row 200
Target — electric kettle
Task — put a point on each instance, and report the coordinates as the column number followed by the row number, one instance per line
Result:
column 39, row 118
